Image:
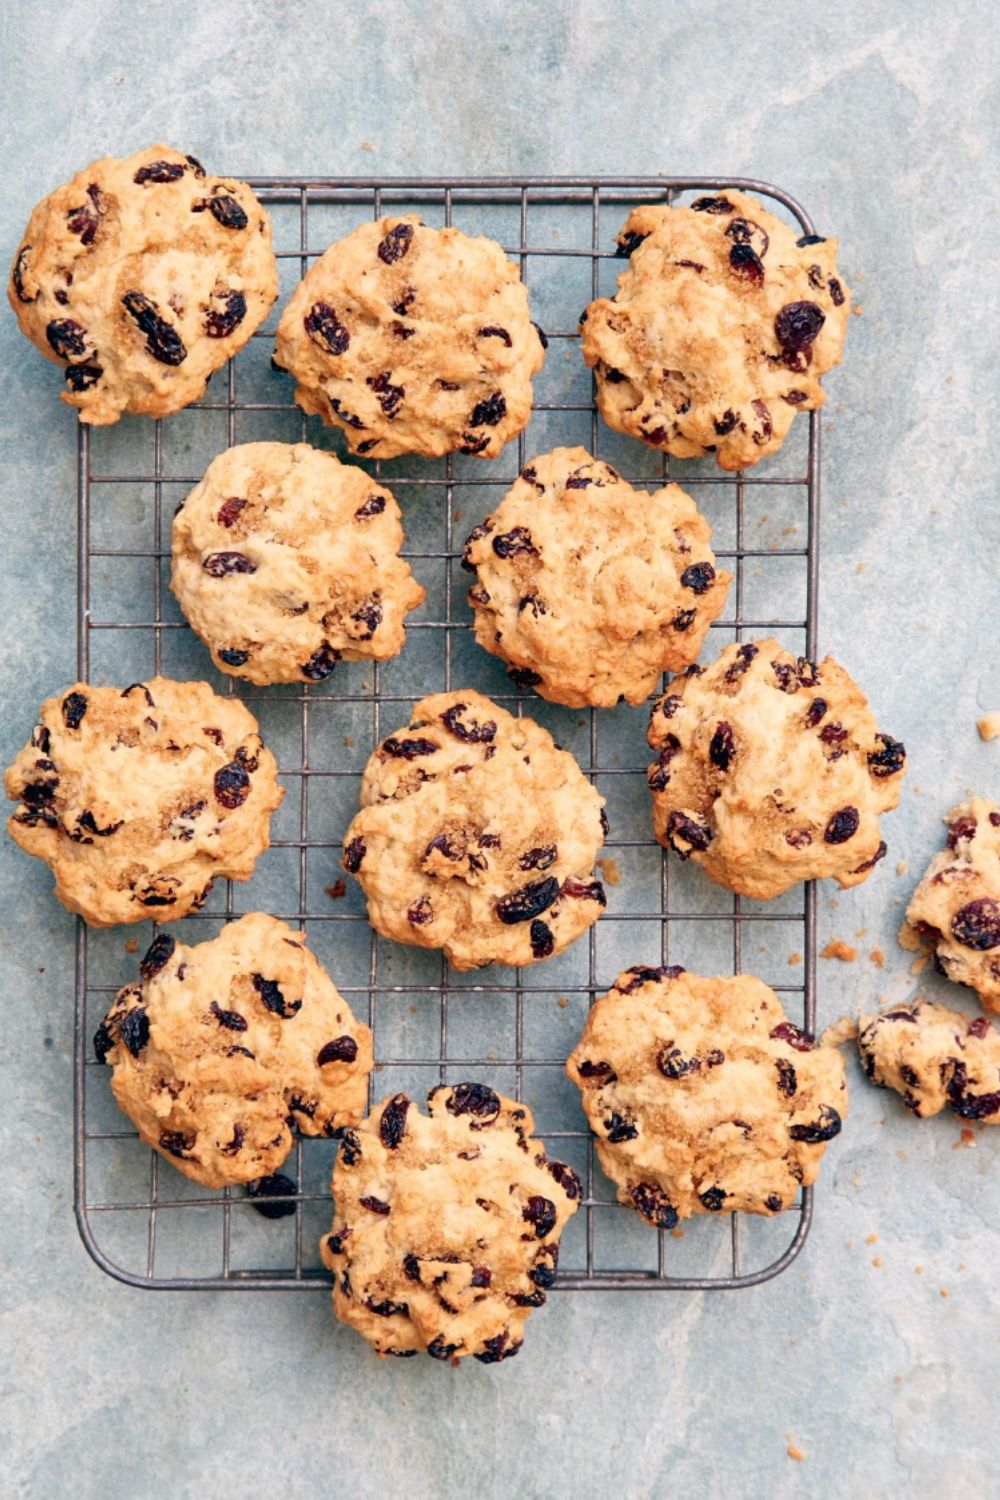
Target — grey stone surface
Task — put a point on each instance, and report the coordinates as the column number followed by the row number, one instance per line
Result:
column 882, row 120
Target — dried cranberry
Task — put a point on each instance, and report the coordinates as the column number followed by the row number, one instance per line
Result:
column 713, row 1198
column 566, row 1178
column 411, row 1266
column 387, row 1309
column 722, row 748
column 83, row 377
column 541, row 1214
column 104, row 1040
column 176, row 1142
column 977, row 925
column 163, row 342
column 232, row 785
column 395, row 244
column 673, row 1064
column 273, row 998
column 542, row 941
column 74, row 706
column 220, row 321
column 787, row 1082
column 67, row 338
column 612, row 376
column 802, row 1041
column 726, row 422
column 510, row 543
column 842, row 826
column 392, row 1121
column 325, row 329
column 390, row 397
column 523, row 677
column 476, row 1099
column 797, row 325
column 472, row 732
column 619, row 1129
column 497, row 1348
column 747, row 264
column 698, row 835
column 670, row 705
column 712, row 206
column 627, row 243
column 231, row 1019
column 489, row 412
column 763, row 414
column 408, row 749
column 683, row 619
column 889, row 759
column 530, row 901
column 823, row 1129
column 354, row 854
column 17, row 275
column 699, row 577
column 266, row 1189
column 157, row 955
column 369, row 614
column 438, row 1349
column 540, row 858
column 350, row 1149
column 473, row 444
column 643, row 974
column 86, row 219
column 799, row 838
column 603, row 1071
column 233, row 657
column 367, row 445
column 373, row 506
column 649, row 1199
column 833, row 734
column 744, row 656
column 321, row 663
column 795, row 398
column 221, row 564
column 815, row 712
column 962, row 828
column 420, row 913
column 972, row 1106
column 481, row 1276
column 159, row 171
column 343, row 1049
column 133, row 1029
column 225, row 210
column 869, row 864
column 980, row 1027
column 584, row 890
column 492, row 331
column 836, row 291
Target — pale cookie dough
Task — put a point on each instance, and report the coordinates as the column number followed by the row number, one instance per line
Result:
column 720, row 329
column 138, row 799
column 935, row 1059
column 591, row 589
column 703, row 1097
column 286, row 561
column 413, row 340
column 477, row 835
column 142, row 277
column 222, row 1049
column 771, row 770
column 955, row 910
column 447, row 1227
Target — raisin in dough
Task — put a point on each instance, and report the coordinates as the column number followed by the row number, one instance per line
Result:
column 413, row 340
column 771, row 770
column 955, row 910
column 477, row 835
column 138, row 799
column 703, row 1097
column 224, row 1047
column 447, row 1227
column 589, row 588
column 935, row 1059
column 142, row 276
column 285, row 561
column 720, row 329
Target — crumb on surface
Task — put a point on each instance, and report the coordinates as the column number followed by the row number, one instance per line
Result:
column 944, row 1291
column 349, row 741
column 877, row 957
column 877, row 1262
column 367, row 146
column 859, row 567
column 988, row 726
column 919, row 1270
column 901, row 867
column 857, row 309
column 132, row 946
column 919, row 964
column 966, row 1139
column 609, row 869
column 837, row 948
column 795, row 1452
column 336, row 890
column 562, row 1002
column 794, row 958
column 676, row 1234
column 872, row 1239
column 458, row 513
column 861, row 932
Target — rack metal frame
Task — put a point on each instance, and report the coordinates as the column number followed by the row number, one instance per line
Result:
column 399, row 194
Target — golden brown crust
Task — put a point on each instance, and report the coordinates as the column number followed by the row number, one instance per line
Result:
column 595, row 588
column 447, row 1225
column 413, row 340
column 138, row 799
column 720, row 329
column 223, row 1047
column 142, row 276
column 704, row 1098
column 771, row 770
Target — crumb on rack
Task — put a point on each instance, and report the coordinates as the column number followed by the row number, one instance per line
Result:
column 132, row 946
column 877, row 957
column 989, row 726
column 562, row 1002
column 609, row 869
column 349, row 741
column 336, row 890
column 837, row 948
column 794, row 958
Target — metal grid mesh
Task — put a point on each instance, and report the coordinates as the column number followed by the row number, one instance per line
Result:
column 146, row 1224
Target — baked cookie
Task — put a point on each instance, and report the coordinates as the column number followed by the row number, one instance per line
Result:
column 720, row 329
column 770, row 770
column 703, row 1097
column 477, row 835
column 223, row 1048
column 138, row 799
column 589, row 588
column 447, row 1227
column 955, row 910
column 285, row 561
column 413, row 340
column 142, row 276
column 935, row 1059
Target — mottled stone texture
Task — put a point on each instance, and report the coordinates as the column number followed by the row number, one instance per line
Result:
column 882, row 120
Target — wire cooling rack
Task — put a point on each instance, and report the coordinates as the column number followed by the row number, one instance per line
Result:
column 140, row 1220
